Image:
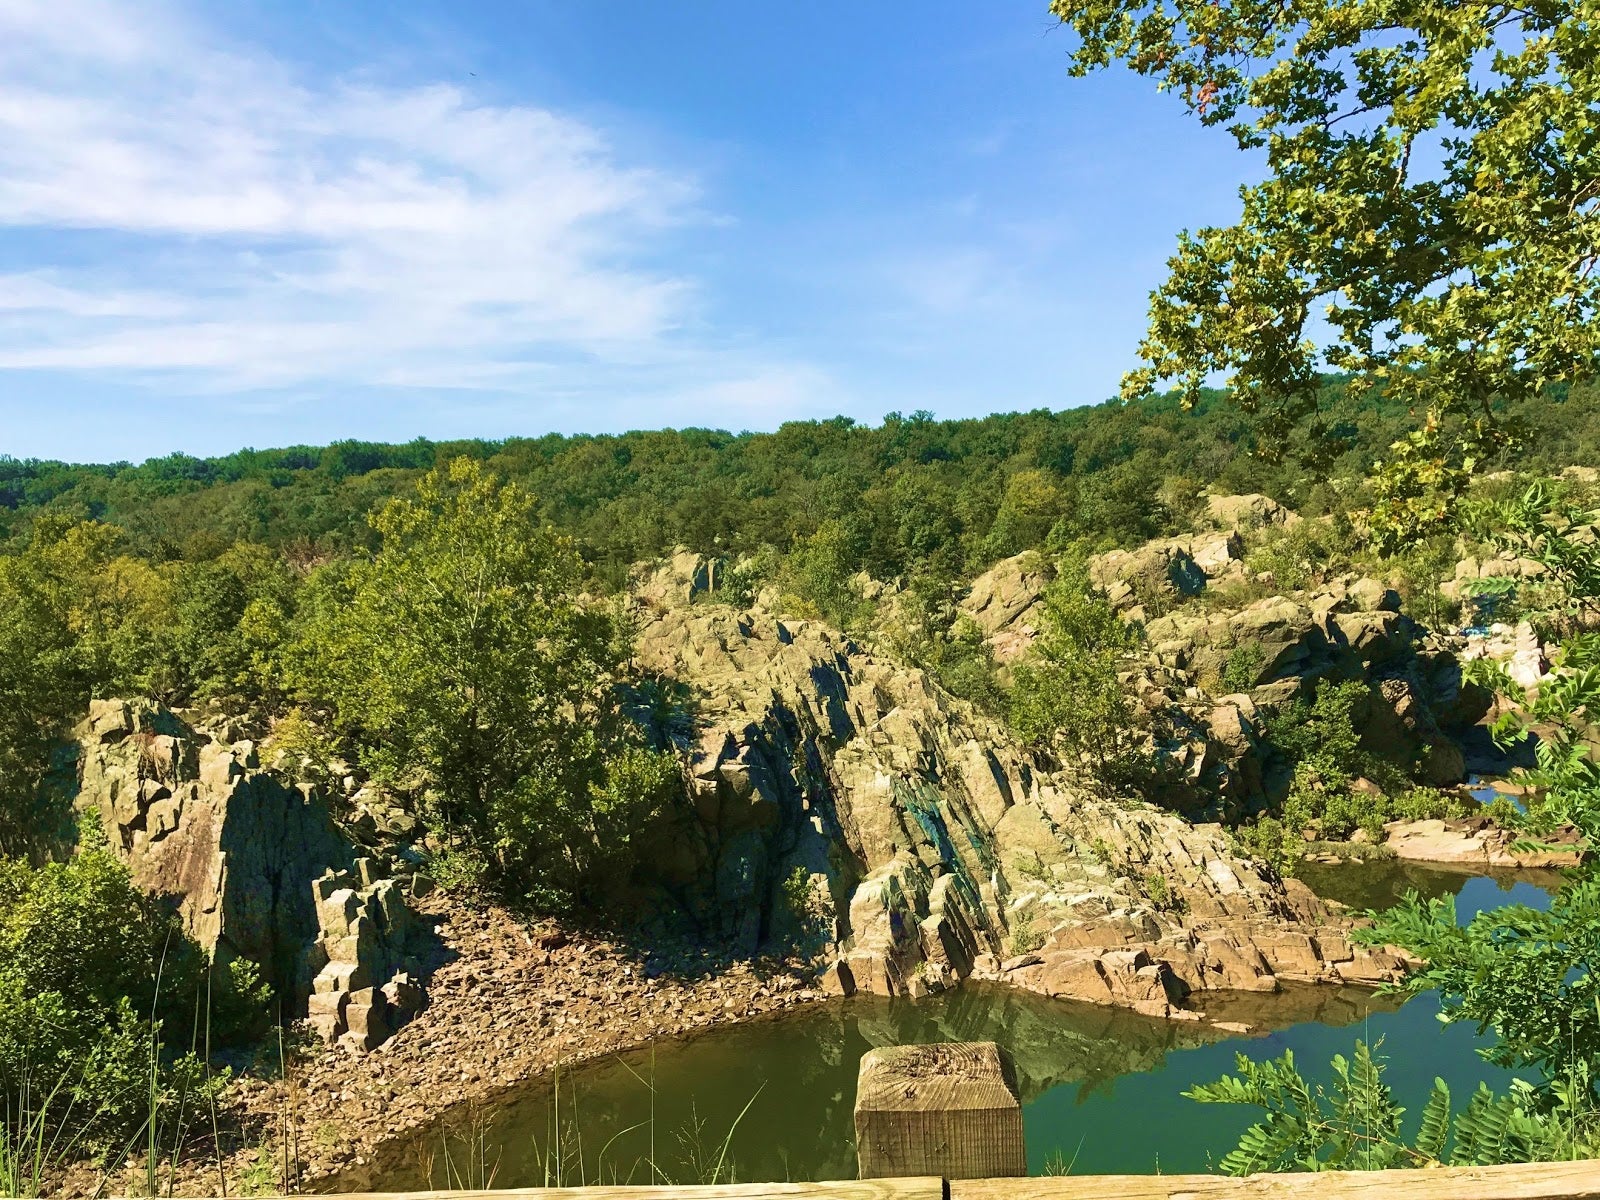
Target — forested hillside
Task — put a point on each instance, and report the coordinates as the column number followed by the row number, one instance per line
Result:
column 912, row 494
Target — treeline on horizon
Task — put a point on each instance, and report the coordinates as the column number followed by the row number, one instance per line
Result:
column 912, row 494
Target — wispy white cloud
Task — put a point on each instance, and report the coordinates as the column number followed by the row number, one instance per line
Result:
column 174, row 208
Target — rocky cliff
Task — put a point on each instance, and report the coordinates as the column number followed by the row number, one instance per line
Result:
column 255, row 868
column 1220, row 655
column 834, row 789
column 838, row 802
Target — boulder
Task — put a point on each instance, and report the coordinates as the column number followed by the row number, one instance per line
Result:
column 1164, row 570
column 197, row 820
column 1007, row 593
column 1477, row 843
column 1517, row 648
column 1248, row 512
column 1370, row 596
column 678, row 579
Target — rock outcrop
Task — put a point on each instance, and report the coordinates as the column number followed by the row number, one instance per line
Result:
column 254, row 867
column 1213, row 673
column 934, row 848
column 1478, row 843
column 1517, row 648
column 196, row 820
column 366, row 962
column 1249, row 512
column 1003, row 602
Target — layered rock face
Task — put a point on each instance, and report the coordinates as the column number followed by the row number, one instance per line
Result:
column 367, row 959
column 834, row 788
column 197, row 820
column 1274, row 650
column 254, row 867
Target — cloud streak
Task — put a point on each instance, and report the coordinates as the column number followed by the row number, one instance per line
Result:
column 181, row 212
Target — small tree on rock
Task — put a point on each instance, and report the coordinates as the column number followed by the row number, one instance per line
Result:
column 466, row 663
column 1067, row 696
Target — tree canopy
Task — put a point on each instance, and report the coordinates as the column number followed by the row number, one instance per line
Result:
column 463, row 659
column 1429, row 221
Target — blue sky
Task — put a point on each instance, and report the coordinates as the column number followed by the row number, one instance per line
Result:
column 265, row 223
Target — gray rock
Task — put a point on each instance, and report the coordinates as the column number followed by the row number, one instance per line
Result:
column 195, row 819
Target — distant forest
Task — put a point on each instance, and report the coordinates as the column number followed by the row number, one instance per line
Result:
column 910, row 495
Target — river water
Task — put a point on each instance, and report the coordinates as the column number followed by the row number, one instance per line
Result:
column 1101, row 1088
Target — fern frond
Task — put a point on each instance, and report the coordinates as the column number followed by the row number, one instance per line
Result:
column 1435, row 1130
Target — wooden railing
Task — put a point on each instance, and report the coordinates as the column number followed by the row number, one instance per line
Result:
column 1521, row 1181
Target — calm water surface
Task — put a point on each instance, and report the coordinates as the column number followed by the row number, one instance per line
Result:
column 1101, row 1088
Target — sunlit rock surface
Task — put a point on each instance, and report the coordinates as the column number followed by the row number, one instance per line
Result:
column 935, row 848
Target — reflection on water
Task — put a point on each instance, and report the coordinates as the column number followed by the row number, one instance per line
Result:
column 1377, row 885
column 1101, row 1087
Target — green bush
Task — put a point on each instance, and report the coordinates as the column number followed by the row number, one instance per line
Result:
column 1242, row 668
column 1432, row 804
column 1067, row 697
column 463, row 662
column 1025, row 936
column 92, row 972
column 1319, row 739
column 923, row 625
column 1271, row 842
column 805, row 912
column 1162, row 895
column 1356, row 1125
column 1301, row 555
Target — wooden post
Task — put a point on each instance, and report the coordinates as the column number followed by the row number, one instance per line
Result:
column 948, row 1109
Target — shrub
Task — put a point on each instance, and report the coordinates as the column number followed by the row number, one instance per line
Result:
column 92, row 971
column 1319, row 739
column 300, row 747
column 464, row 659
column 1356, row 1124
column 1068, row 697
column 1300, row 555
column 1431, row 804
column 1242, row 668
column 1025, row 938
column 1162, row 896
column 806, row 911
column 923, row 625
column 1270, row 842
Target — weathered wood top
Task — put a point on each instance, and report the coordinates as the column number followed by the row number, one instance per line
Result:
column 943, row 1077
column 1533, row 1181
column 917, row 1188
column 1520, row 1181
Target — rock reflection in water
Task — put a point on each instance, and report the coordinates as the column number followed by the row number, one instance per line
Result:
column 1378, row 885
column 801, row 1071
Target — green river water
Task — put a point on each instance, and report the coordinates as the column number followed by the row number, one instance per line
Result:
column 1101, row 1088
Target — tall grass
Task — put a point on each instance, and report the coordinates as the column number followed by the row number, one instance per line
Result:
column 45, row 1133
column 467, row 1157
column 31, row 1146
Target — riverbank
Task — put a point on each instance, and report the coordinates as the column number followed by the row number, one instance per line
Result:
column 512, row 1002
column 1096, row 1081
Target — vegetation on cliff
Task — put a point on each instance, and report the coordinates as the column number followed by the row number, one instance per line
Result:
column 461, row 657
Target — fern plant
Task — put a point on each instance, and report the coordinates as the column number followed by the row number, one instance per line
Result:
column 1356, row 1124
